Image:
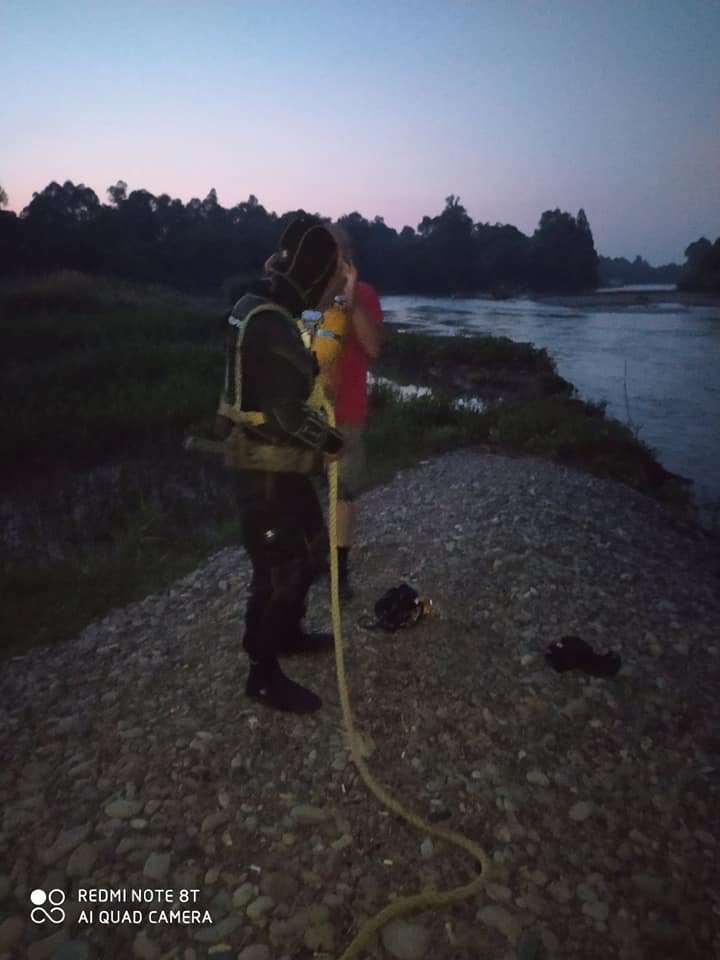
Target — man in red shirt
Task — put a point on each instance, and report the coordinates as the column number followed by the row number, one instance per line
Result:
column 360, row 345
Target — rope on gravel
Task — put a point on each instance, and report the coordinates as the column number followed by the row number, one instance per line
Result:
column 421, row 901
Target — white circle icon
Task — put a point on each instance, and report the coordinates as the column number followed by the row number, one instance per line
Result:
column 40, row 913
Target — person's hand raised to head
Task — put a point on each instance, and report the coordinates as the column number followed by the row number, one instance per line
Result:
column 350, row 275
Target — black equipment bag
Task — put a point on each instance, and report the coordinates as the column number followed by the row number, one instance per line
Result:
column 399, row 607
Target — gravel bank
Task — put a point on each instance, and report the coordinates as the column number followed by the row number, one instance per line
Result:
column 133, row 761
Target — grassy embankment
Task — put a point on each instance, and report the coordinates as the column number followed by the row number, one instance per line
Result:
column 99, row 372
column 530, row 409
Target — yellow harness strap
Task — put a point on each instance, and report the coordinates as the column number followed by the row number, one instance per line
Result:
column 234, row 411
column 255, row 418
column 252, row 417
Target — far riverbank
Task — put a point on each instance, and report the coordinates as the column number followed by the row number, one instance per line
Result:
column 623, row 299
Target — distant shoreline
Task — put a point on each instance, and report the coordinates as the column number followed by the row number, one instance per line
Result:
column 616, row 299
column 629, row 298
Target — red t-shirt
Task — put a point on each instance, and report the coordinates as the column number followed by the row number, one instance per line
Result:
column 351, row 375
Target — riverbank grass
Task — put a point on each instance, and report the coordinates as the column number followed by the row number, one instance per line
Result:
column 47, row 600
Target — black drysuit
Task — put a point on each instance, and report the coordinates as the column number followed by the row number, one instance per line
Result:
column 283, row 525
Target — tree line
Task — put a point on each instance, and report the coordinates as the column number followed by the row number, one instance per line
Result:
column 619, row 271
column 702, row 270
column 201, row 246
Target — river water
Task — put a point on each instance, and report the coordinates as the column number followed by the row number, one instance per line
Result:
column 665, row 356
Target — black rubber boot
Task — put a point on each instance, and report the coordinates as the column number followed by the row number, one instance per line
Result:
column 302, row 642
column 573, row 653
column 345, row 591
column 267, row 684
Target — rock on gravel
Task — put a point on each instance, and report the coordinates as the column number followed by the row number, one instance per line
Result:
column 581, row 811
column 537, row 778
column 144, row 948
column 405, row 941
column 11, row 930
column 123, row 809
column 47, row 948
column 65, row 843
column 157, row 866
column 218, row 931
column 308, row 815
column 73, row 950
column 259, row 908
column 320, row 938
column 243, row 895
column 81, row 861
column 502, row 920
column 256, row 951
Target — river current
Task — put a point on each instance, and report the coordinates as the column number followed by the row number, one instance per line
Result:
column 655, row 366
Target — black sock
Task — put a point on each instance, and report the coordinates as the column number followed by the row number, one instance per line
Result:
column 343, row 562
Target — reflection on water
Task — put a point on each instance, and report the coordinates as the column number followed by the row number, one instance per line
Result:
column 656, row 366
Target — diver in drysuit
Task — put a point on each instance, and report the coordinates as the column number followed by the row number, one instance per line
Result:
column 278, row 438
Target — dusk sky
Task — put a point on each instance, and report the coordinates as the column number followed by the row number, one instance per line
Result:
column 381, row 107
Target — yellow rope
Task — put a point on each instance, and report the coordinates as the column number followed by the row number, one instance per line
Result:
column 421, row 901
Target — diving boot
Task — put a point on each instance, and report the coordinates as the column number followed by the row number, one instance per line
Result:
column 345, row 591
column 267, row 684
column 573, row 653
column 302, row 642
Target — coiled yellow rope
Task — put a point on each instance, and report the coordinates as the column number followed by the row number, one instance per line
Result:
column 421, row 901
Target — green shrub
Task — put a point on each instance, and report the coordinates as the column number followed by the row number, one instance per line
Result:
column 131, row 370
column 49, row 601
column 413, row 355
column 402, row 431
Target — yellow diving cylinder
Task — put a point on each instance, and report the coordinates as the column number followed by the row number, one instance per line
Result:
column 328, row 337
